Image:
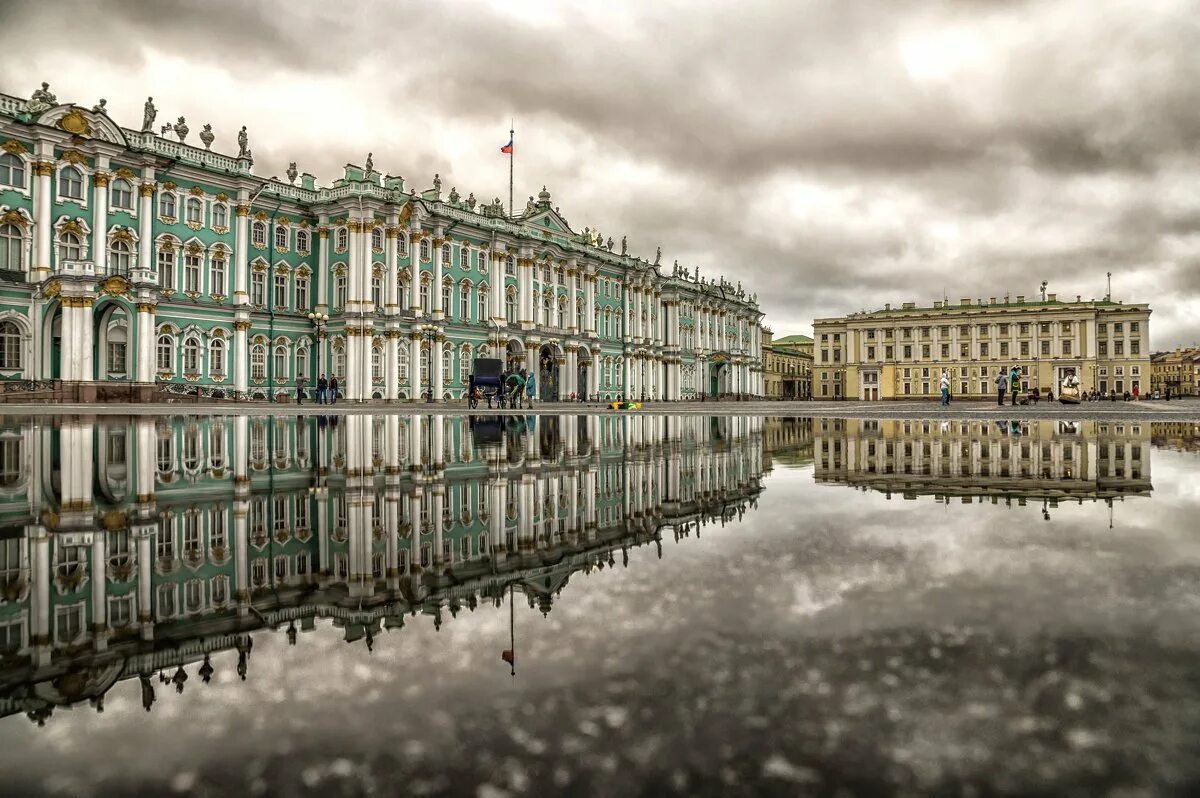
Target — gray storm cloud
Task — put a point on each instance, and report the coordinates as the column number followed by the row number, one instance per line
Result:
column 831, row 156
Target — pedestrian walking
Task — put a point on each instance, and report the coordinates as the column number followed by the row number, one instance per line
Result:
column 334, row 385
column 945, row 384
column 1001, row 388
column 300, row 383
column 530, row 388
column 516, row 389
column 1014, row 383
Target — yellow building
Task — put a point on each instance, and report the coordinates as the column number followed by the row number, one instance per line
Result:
column 899, row 353
column 1178, row 370
column 788, row 366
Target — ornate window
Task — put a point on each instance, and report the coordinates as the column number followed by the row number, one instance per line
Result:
column 120, row 257
column 302, row 242
column 481, row 260
column 166, row 204
column 258, row 362
column 11, row 347
column 191, row 356
column 377, row 290
column 12, row 171
column 425, row 365
column 165, row 353
column 281, row 361
column 510, row 307
column 216, row 274
column 510, row 266
column 166, row 267
column 446, row 255
column 447, row 296
column 402, row 363
column 464, row 302
column 301, row 292
column 191, row 271
column 483, row 305
column 12, row 246
column 69, row 247
column 220, row 215
column 70, row 183
column 376, row 363
column 464, row 257
column 281, row 236
column 377, row 238
column 425, row 295
column 258, row 288
column 120, row 195
column 216, row 357
column 425, row 249
column 339, row 363
column 343, row 239
column 258, row 234
column 195, row 211
column 447, row 365
column 464, row 364
column 402, row 245
column 281, row 290
column 339, row 292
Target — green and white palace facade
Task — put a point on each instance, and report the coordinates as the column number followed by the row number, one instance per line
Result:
column 132, row 264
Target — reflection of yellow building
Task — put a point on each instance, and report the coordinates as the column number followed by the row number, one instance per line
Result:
column 897, row 353
column 1182, row 436
column 788, row 366
column 1022, row 459
column 788, row 440
column 1178, row 370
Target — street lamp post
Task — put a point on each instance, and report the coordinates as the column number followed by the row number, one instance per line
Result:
column 319, row 322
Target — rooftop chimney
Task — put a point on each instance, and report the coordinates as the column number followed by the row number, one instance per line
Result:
column 887, row 306
column 937, row 303
column 992, row 301
column 1020, row 298
column 1051, row 297
column 965, row 302
column 909, row 305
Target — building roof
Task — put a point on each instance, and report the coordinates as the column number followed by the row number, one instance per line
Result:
column 965, row 305
column 793, row 339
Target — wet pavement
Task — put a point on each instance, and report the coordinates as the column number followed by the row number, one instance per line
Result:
column 692, row 606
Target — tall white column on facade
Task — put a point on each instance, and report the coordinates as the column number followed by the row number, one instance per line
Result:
column 436, row 373
column 100, row 216
column 439, row 312
column 525, row 290
column 390, row 272
column 594, row 374
column 414, row 366
column 391, row 363
column 627, row 298
column 414, row 271
column 589, row 303
column 145, row 257
column 323, row 265
column 626, row 376
column 241, row 242
column 43, row 220
column 498, row 287
column 240, row 353
column 572, row 296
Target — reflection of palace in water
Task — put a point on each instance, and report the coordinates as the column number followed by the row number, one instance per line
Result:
column 1023, row 459
column 134, row 548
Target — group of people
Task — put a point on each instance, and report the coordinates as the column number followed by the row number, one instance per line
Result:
column 327, row 392
column 1007, row 383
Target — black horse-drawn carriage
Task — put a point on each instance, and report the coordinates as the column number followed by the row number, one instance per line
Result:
column 486, row 381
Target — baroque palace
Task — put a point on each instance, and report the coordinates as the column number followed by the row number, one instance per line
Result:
column 133, row 264
column 900, row 353
column 136, row 547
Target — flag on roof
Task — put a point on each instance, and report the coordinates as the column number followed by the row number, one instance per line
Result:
column 507, row 148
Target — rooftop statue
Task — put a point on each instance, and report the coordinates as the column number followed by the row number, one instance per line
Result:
column 624, row 245
column 471, row 201
column 658, row 256
column 454, row 196
column 243, row 143
column 437, row 184
column 149, row 112
column 41, row 100
column 206, row 136
column 99, row 108
column 181, row 129
column 609, row 244
column 292, row 172
column 370, row 162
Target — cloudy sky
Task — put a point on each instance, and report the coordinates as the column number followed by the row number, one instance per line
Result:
column 832, row 156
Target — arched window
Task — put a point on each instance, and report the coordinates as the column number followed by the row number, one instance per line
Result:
column 447, row 296
column 166, row 267
column 562, row 312
column 425, row 249
column 70, row 183
column 376, row 363
column 165, row 359
column 281, row 236
column 510, row 307
column 446, row 255
column 546, row 309
column 258, row 288
column 301, row 292
column 120, row 257
column 11, row 347
column 447, row 365
column 195, row 211
column 510, row 266
column 191, row 356
column 481, row 260
column 166, row 204
column 281, row 290
column 281, row 361
column 69, row 247
column 220, row 215
column 302, row 361
column 425, row 296
column 483, row 314
column 377, row 290
column 343, row 239
column 258, row 362
column 12, row 171
column 258, row 234
column 402, row 245
column 302, row 242
column 192, row 261
column 12, row 246
column 402, row 363
column 339, row 364
column 339, row 292
column 464, row 364
column 120, row 195
column 216, row 273
column 216, row 357
column 464, row 257
column 377, row 238
column 425, row 365
column 464, row 302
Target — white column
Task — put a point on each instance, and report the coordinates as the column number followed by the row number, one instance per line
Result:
column 525, row 288
column 435, row 366
column 391, row 364
column 498, row 287
column 439, row 312
column 589, row 304
column 594, row 375
column 390, row 272
column 322, row 266
column 144, row 367
column 98, row 569
column 414, row 271
column 240, row 354
column 100, row 217
column 145, row 258
column 414, row 367
column 43, row 221
column 241, row 241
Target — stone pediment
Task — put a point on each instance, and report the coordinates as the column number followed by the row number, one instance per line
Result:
column 83, row 123
column 549, row 220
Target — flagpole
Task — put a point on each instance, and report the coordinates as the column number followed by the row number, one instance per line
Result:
column 511, row 154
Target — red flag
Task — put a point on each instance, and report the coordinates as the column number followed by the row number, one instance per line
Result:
column 508, row 656
column 507, row 148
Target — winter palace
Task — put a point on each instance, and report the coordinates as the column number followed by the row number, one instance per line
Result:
column 133, row 263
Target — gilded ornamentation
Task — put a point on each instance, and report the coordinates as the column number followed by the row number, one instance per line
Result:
column 241, row 326
column 283, row 220
column 125, row 173
column 322, row 232
column 194, row 248
column 44, row 168
column 196, row 191
column 261, row 216
column 146, row 307
column 13, row 217
column 354, row 226
column 169, row 186
column 52, row 289
column 115, row 286
column 218, row 333
column 222, row 197
column 74, row 157
column 101, row 179
column 242, row 210
column 146, row 190
column 70, row 226
column 75, row 123
column 13, row 147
